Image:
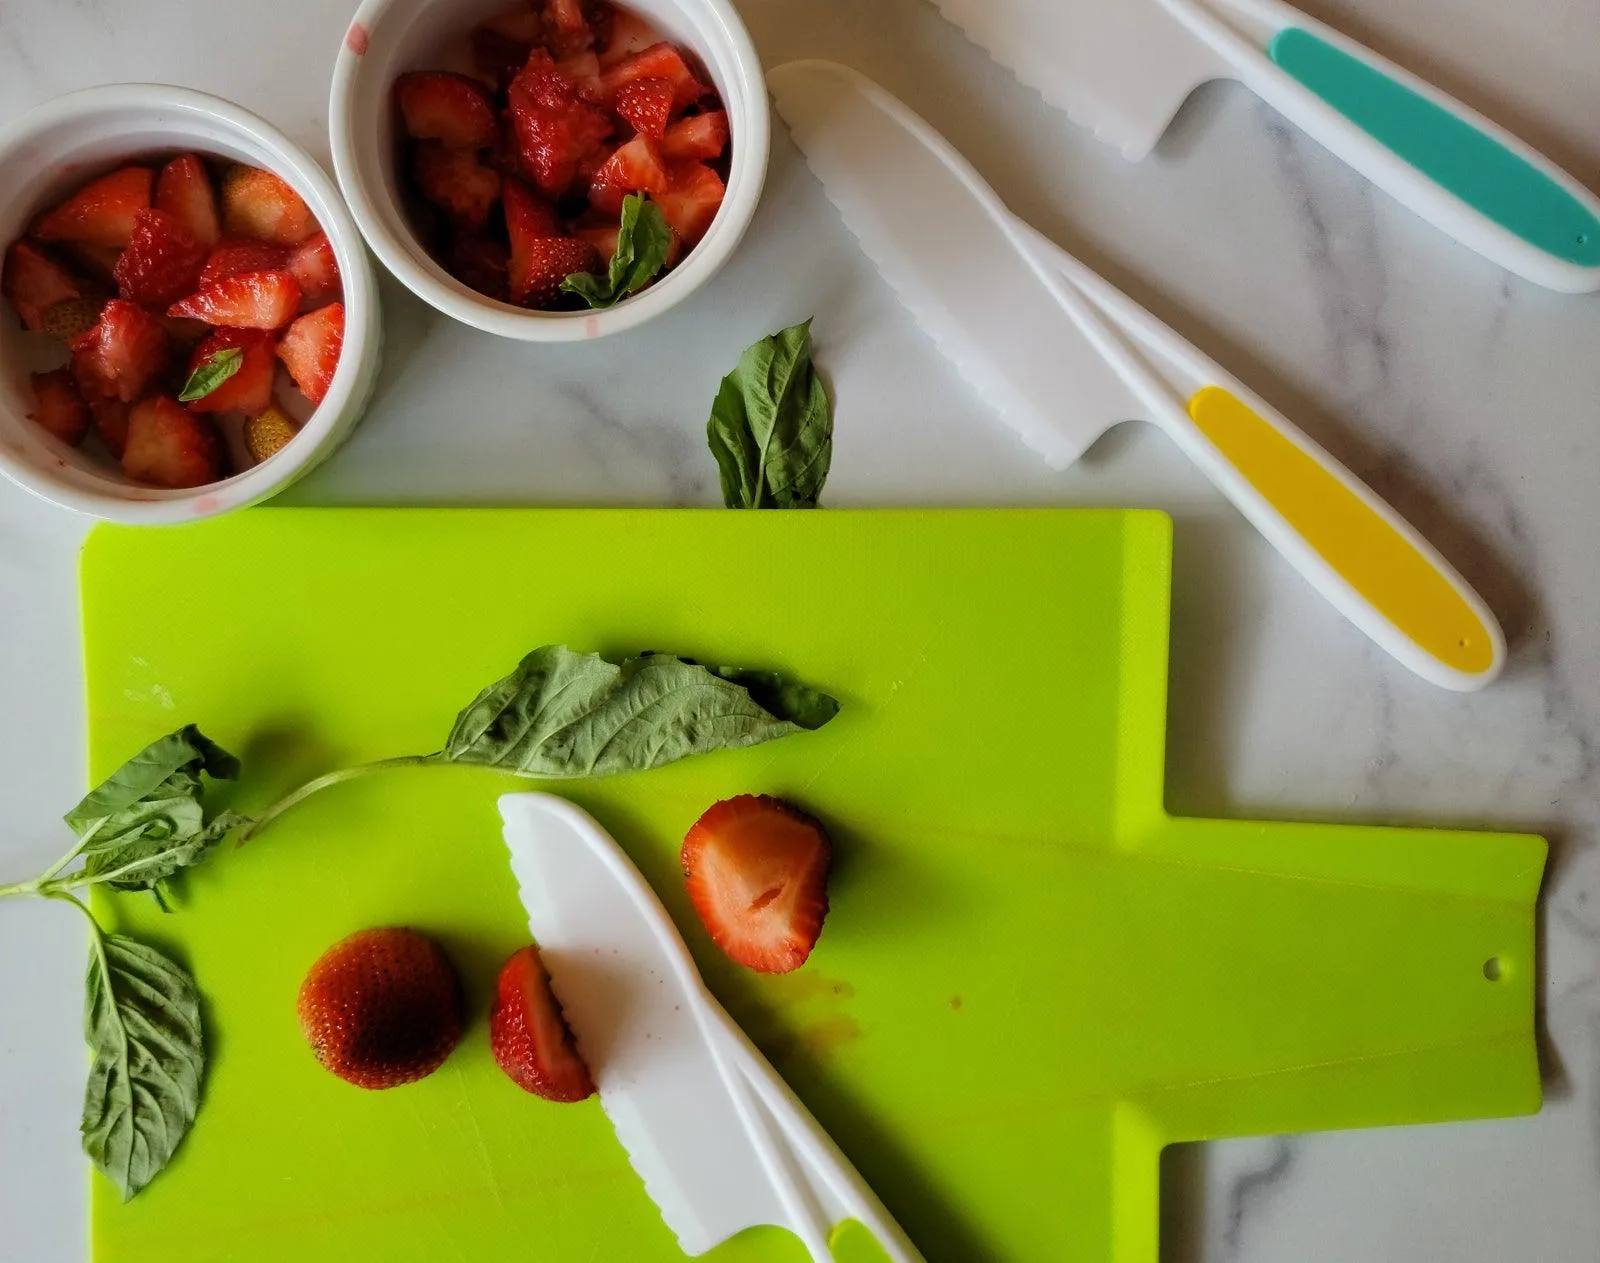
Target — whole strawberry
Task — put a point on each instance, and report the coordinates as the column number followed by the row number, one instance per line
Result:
column 382, row 1008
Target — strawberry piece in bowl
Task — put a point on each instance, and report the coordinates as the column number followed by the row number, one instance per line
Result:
column 169, row 446
column 59, row 408
column 245, row 300
column 310, row 350
column 162, row 262
column 555, row 131
column 34, row 283
column 449, row 108
column 248, row 391
column 183, row 190
column 123, row 354
column 261, row 205
column 102, row 212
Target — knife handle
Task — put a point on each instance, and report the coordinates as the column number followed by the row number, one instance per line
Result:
column 1462, row 173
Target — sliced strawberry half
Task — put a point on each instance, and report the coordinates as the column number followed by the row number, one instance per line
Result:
column 101, row 212
column 249, row 390
column 698, row 137
column 635, row 168
column 530, row 1038
column 170, row 446
column 554, row 130
column 316, row 267
column 34, row 283
column 122, row 355
column 245, row 300
column 659, row 61
column 232, row 257
column 59, row 408
column 183, row 190
column 645, row 105
column 162, row 262
column 691, row 200
column 757, row 873
column 451, row 108
column 310, row 350
column 259, row 204
column 456, row 182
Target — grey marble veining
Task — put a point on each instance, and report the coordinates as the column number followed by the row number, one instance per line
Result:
column 1467, row 398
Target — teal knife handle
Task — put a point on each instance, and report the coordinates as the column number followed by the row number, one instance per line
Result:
column 1501, row 197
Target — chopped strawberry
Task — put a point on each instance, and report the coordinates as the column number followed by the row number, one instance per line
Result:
column 268, row 433
column 603, row 238
column 245, row 300
column 480, row 263
column 34, row 282
column 185, row 332
column 624, row 34
column 527, row 214
column 540, row 257
column 437, row 105
column 259, row 204
column 249, row 390
column 71, row 318
column 111, row 423
column 59, row 408
column 232, row 257
column 645, row 105
column 634, row 168
column 162, row 262
column 659, row 61
column 529, row 1036
column 757, row 873
column 583, row 72
column 97, row 261
column 555, row 131
column 702, row 136
column 122, row 355
column 313, row 264
column 456, row 182
column 101, row 212
column 183, row 190
column 170, row 446
column 566, row 28
column 310, row 350
column 382, row 1008
column 496, row 56
column 692, row 200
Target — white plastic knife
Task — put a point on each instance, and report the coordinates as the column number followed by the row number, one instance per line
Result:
column 1062, row 356
column 1123, row 67
column 718, row 1138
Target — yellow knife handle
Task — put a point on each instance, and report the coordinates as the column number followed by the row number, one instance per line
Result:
column 1378, row 571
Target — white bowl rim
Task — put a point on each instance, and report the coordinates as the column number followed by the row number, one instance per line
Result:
column 350, row 383
column 438, row 289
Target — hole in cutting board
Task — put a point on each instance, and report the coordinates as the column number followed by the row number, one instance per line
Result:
column 1493, row 969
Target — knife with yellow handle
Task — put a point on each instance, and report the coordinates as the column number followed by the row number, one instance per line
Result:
column 1063, row 356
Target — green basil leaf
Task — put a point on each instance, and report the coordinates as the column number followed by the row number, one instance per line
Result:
column 771, row 427
column 146, row 774
column 141, row 861
column 564, row 714
column 141, row 1019
column 643, row 242
column 211, row 372
column 800, row 704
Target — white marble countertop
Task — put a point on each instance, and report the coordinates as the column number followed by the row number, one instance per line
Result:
column 1466, row 397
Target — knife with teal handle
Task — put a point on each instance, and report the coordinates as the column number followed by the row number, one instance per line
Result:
column 1123, row 67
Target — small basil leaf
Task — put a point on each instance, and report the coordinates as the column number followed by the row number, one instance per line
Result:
column 564, row 714
column 188, row 749
column 141, row 1019
column 643, row 242
column 210, row 373
column 771, row 427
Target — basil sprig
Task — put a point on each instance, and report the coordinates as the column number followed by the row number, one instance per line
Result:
column 643, row 243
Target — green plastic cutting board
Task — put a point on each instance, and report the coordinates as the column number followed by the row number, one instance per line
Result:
column 1032, row 978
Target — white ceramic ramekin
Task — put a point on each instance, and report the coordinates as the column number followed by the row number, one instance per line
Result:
column 388, row 37
column 50, row 150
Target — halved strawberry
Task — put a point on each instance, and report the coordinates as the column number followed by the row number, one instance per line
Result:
column 232, row 257
column 310, row 350
column 259, row 204
column 659, row 61
column 59, row 408
column 170, row 446
column 183, row 190
column 645, row 105
column 456, row 182
column 111, row 423
column 529, row 1037
column 314, row 265
column 621, row 35
column 245, row 300
column 757, row 873
column 438, row 105
column 691, row 200
column 249, row 390
column 101, row 212
column 480, row 263
column 34, row 282
column 702, row 136
column 381, row 1008
column 162, row 262
column 634, row 168
column 538, row 269
column 122, row 355
column 554, row 130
